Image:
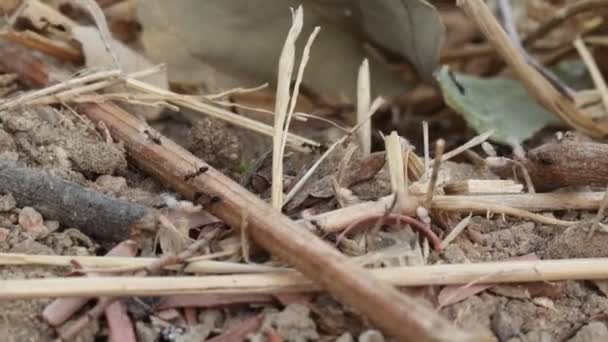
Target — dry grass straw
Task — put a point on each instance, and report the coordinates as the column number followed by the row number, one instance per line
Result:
column 295, row 141
column 427, row 157
column 285, row 103
column 460, row 227
column 364, row 101
column 544, row 92
column 285, row 282
column 475, row 141
column 202, row 264
column 71, row 83
column 594, row 70
column 439, row 148
column 394, row 155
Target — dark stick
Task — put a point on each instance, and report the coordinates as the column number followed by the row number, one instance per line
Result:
column 101, row 217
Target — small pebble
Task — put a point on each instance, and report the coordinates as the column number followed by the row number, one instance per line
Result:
column 7, row 203
column 4, row 234
column 32, row 222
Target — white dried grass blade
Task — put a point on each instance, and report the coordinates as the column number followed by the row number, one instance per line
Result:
column 427, row 158
column 286, row 64
column 456, row 231
column 21, row 100
column 477, row 140
column 106, row 263
column 296, row 89
column 297, row 142
column 282, row 282
column 70, row 94
column 363, row 105
column 394, row 154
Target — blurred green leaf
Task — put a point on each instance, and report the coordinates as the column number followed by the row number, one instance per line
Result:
column 498, row 104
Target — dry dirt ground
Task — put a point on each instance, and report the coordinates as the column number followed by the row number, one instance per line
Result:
column 67, row 145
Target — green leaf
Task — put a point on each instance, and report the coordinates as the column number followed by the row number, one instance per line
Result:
column 498, row 104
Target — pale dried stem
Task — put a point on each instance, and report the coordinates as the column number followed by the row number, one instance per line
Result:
column 427, row 157
column 594, row 70
column 477, row 140
column 439, row 148
column 24, row 99
column 460, row 227
column 364, row 101
column 297, row 142
column 123, row 264
column 394, row 155
column 285, row 282
column 281, row 107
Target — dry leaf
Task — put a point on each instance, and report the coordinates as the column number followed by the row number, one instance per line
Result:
column 96, row 56
column 243, row 40
column 411, row 28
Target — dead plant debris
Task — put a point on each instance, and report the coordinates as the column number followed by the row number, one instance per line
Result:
column 171, row 177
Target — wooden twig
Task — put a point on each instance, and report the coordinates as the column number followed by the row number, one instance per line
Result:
column 284, row 282
column 398, row 314
column 40, row 43
column 538, row 86
column 101, row 217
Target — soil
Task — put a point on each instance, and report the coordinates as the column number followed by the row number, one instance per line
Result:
column 67, row 145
